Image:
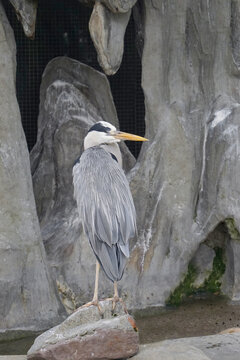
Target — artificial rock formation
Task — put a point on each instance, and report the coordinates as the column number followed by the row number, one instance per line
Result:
column 73, row 97
column 107, row 26
column 86, row 334
column 26, row 11
column 27, row 294
column 107, row 32
column 186, row 180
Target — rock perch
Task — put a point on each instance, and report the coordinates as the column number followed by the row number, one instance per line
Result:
column 86, row 334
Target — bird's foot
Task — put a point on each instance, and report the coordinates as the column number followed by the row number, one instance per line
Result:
column 115, row 300
column 94, row 302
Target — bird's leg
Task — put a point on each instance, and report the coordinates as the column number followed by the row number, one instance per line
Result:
column 95, row 294
column 116, row 299
column 115, row 296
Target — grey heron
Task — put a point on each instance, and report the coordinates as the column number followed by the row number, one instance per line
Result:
column 104, row 201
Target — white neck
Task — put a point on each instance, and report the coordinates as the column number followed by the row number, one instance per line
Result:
column 108, row 143
column 93, row 138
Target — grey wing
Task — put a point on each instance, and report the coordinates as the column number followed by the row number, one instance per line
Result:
column 106, row 208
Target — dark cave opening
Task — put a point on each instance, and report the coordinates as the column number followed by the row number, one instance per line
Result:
column 62, row 29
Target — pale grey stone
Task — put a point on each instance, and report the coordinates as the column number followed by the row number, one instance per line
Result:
column 119, row 6
column 26, row 11
column 13, row 357
column 107, row 31
column 231, row 278
column 213, row 347
column 27, row 294
column 170, row 351
column 73, row 97
column 203, row 263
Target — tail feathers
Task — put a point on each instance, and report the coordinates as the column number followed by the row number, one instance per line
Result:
column 112, row 259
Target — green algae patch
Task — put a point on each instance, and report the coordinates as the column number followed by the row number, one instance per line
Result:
column 184, row 289
column 211, row 285
column 232, row 229
column 213, row 282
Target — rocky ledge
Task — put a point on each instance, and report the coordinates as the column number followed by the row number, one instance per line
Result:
column 215, row 347
column 89, row 334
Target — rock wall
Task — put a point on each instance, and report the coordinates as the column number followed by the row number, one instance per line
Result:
column 185, row 183
column 186, row 180
column 27, row 294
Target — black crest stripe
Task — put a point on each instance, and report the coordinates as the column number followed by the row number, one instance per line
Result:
column 99, row 127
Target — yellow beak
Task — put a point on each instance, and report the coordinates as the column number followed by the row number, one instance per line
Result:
column 125, row 136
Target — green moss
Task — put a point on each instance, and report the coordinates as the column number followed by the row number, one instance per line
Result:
column 212, row 284
column 185, row 288
column 232, row 229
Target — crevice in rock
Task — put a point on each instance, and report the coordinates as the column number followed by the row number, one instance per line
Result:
column 138, row 16
column 206, row 270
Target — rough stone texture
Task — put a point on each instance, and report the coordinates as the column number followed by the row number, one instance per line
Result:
column 203, row 263
column 107, row 32
column 13, row 357
column 73, row 97
column 186, row 180
column 27, row 294
column 119, row 6
column 170, row 351
column 88, row 335
column 26, row 11
column 215, row 347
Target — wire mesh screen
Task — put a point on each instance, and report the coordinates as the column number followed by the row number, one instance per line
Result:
column 62, row 29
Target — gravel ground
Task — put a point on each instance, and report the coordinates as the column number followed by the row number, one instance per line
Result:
column 194, row 318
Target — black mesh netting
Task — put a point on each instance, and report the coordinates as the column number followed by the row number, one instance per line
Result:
column 62, row 29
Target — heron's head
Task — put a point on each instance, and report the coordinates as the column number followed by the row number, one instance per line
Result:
column 105, row 133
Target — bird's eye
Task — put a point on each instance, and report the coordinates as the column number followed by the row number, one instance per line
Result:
column 111, row 132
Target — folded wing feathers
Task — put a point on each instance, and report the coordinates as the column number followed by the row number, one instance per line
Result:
column 105, row 207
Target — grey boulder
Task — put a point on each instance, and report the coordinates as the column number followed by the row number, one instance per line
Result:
column 86, row 334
